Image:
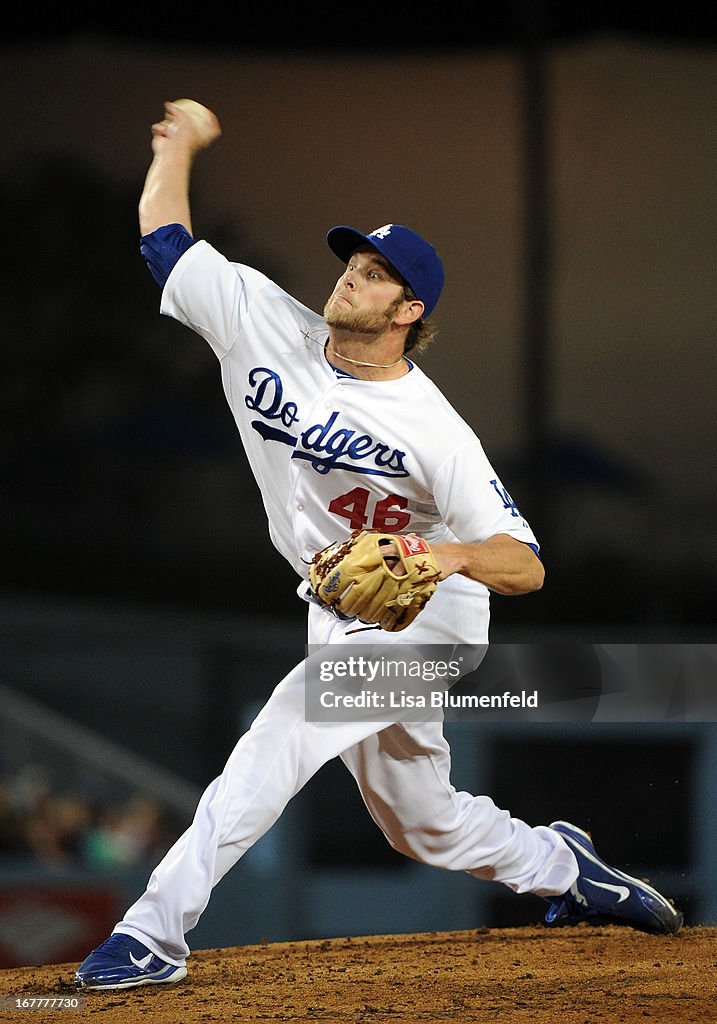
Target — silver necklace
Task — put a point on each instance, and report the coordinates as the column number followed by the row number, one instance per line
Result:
column 347, row 359
column 359, row 362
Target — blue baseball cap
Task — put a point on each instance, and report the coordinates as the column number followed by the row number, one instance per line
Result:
column 412, row 256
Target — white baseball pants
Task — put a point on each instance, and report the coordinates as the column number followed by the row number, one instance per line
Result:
column 403, row 772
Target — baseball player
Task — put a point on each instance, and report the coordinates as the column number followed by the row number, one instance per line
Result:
column 344, row 432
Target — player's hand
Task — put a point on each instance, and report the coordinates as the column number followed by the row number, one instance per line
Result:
column 392, row 558
column 186, row 123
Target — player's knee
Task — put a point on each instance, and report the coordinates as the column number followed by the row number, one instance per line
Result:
column 428, row 847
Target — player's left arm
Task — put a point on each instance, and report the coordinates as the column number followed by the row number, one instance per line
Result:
column 495, row 545
column 502, row 563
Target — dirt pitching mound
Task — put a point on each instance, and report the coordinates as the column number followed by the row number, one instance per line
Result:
column 576, row 975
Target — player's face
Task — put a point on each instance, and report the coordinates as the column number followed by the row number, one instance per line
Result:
column 366, row 296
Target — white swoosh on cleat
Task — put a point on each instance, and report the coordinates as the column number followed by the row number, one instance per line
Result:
column 622, row 890
column 144, row 962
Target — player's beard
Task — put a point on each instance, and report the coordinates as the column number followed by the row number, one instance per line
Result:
column 346, row 318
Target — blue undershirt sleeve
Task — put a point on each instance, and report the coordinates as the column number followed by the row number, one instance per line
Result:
column 163, row 247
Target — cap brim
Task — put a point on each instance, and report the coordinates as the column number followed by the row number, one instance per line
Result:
column 344, row 241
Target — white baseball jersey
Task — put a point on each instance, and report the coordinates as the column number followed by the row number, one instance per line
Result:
column 330, row 452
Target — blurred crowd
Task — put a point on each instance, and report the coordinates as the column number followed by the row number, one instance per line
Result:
column 79, row 826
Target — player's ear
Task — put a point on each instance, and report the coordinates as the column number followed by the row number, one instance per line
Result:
column 409, row 312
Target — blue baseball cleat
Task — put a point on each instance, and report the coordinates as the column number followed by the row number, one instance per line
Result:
column 603, row 895
column 123, row 962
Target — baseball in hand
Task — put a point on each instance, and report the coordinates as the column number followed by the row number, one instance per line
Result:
column 205, row 121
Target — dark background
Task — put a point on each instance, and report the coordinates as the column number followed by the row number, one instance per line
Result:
column 427, row 26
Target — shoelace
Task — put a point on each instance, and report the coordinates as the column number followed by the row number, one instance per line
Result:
column 113, row 946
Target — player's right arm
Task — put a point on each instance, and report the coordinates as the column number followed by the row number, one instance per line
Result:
column 176, row 140
column 208, row 294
